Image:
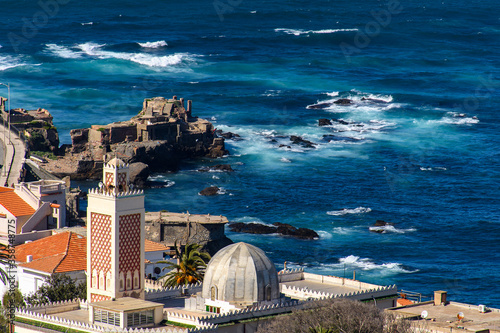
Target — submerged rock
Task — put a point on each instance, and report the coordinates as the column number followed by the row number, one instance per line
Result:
column 323, row 105
column 210, row 191
column 297, row 140
column 344, row 101
column 217, row 167
column 324, row 122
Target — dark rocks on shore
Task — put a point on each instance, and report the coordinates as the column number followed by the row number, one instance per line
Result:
column 324, row 122
column 217, row 167
column 297, row 140
column 210, row 191
column 323, row 105
column 139, row 173
column 229, row 135
column 344, row 101
column 279, row 228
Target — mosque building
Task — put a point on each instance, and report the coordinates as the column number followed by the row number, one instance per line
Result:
column 240, row 283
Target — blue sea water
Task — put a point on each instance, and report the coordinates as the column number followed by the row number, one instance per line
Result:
column 426, row 157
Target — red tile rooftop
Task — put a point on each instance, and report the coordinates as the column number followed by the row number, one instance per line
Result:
column 13, row 203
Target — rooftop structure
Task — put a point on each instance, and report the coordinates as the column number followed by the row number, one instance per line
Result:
column 450, row 317
column 33, row 206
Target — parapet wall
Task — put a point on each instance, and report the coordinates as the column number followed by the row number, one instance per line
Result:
column 32, row 314
column 248, row 313
column 338, row 281
column 160, row 292
column 291, row 275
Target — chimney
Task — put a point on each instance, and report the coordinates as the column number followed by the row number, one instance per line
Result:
column 29, row 258
column 182, row 101
column 440, row 297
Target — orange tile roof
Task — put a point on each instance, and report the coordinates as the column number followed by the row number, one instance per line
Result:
column 13, row 203
column 404, row 302
column 63, row 252
column 59, row 253
column 150, row 246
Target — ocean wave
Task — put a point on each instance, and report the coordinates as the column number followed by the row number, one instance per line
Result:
column 63, row 52
column 433, row 169
column 366, row 264
column 252, row 219
column 390, row 228
column 324, row 234
column 7, row 62
column 87, row 23
column 360, row 102
column 298, row 32
column 358, row 210
column 96, row 50
column 285, row 160
column 153, row 45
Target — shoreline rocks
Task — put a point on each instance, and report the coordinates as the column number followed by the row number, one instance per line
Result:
column 161, row 135
column 277, row 228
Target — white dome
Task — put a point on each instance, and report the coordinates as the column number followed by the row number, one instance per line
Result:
column 241, row 274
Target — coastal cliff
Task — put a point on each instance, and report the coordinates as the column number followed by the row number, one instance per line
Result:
column 162, row 135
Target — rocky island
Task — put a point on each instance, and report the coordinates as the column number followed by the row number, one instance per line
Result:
column 156, row 140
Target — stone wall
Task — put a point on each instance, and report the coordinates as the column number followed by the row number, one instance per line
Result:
column 210, row 235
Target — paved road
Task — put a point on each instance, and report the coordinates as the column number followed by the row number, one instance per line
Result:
column 13, row 157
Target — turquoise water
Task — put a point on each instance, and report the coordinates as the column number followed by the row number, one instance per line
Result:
column 424, row 157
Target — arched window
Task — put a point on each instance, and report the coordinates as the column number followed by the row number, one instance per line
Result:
column 268, row 292
column 213, row 293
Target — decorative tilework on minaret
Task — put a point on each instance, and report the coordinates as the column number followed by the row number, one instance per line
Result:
column 115, row 242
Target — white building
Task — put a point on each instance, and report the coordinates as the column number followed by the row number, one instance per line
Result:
column 33, row 206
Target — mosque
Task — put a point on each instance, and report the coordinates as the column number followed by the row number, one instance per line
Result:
column 241, row 282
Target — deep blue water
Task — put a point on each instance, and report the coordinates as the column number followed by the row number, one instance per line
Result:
column 420, row 159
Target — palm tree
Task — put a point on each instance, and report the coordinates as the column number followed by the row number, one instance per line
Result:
column 190, row 266
column 4, row 261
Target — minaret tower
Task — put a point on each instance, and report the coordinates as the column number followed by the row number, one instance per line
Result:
column 115, row 236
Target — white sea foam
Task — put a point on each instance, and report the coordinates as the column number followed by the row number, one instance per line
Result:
column 154, row 45
column 367, row 264
column 63, row 52
column 7, row 62
column 433, row 169
column 87, row 23
column 298, row 32
column 358, row 210
column 390, row 228
column 324, row 234
column 285, row 160
column 96, row 50
column 332, row 94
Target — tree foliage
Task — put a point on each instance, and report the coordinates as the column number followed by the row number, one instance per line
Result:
column 190, row 267
column 4, row 262
column 337, row 316
column 59, row 287
column 11, row 299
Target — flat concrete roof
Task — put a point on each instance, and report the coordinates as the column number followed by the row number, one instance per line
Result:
column 184, row 217
column 126, row 304
column 321, row 287
column 443, row 318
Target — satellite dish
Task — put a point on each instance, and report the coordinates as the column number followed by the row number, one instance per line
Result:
column 424, row 314
column 460, row 315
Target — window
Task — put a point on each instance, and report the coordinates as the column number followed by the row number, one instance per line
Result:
column 140, row 318
column 106, row 317
column 213, row 293
column 268, row 293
